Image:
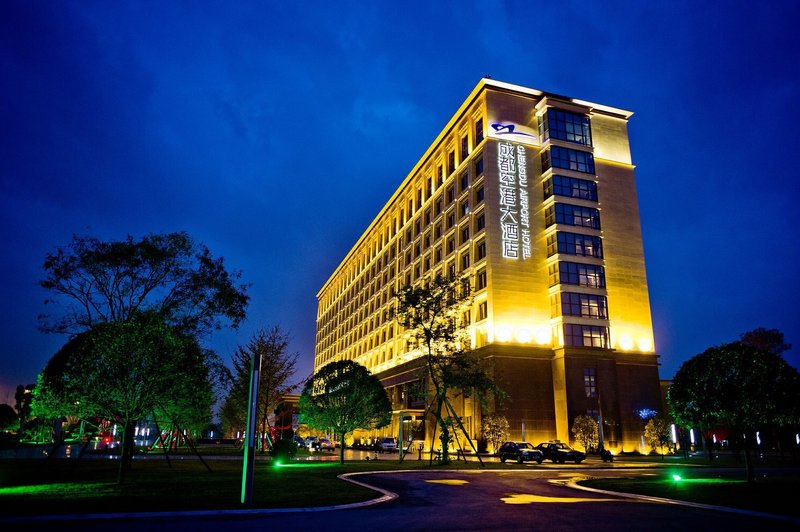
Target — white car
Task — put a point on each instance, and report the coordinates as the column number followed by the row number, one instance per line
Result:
column 387, row 444
column 326, row 445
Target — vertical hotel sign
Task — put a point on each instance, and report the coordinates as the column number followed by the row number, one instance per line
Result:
column 515, row 231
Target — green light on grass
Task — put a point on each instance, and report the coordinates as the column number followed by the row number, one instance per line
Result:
column 676, row 478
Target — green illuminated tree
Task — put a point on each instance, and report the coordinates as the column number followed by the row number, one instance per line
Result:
column 494, row 428
column 432, row 314
column 124, row 372
column 739, row 386
column 277, row 367
column 167, row 274
column 343, row 396
column 585, row 430
column 658, row 433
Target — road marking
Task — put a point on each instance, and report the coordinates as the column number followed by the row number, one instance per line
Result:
column 527, row 498
column 449, row 482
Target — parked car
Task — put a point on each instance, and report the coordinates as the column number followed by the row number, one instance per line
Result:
column 560, row 452
column 386, row 445
column 325, row 445
column 520, row 451
column 312, row 443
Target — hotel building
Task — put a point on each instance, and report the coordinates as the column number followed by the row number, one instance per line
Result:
column 532, row 195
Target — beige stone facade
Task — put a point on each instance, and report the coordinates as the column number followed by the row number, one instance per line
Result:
column 531, row 195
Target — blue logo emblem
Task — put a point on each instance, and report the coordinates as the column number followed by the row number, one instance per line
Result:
column 501, row 129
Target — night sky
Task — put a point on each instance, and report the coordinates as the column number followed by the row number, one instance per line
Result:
column 274, row 132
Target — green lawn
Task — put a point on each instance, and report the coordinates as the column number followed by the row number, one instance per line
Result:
column 767, row 494
column 36, row 487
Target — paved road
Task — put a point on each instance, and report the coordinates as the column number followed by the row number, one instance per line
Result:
column 528, row 499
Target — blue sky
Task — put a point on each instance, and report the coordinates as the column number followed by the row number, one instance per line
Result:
column 273, row 133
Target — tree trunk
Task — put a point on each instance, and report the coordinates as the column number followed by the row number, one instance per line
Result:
column 341, row 450
column 126, row 454
column 709, row 446
column 748, row 461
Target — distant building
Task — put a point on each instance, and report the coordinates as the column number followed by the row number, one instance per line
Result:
column 531, row 195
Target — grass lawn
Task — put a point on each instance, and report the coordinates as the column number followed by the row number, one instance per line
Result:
column 767, row 494
column 40, row 486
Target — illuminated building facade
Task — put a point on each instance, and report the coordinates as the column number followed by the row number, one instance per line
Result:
column 531, row 195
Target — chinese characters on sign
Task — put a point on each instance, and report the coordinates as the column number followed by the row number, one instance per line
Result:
column 515, row 232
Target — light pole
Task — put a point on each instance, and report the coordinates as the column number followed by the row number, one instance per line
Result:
column 400, row 438
column 250, row 434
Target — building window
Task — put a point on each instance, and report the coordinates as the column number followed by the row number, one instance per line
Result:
column 590, row 382
column 437, row 232
column 451, row 162
column 585, row 335
column 451, row 245
column 451, row 269
column 464, row 181
column 479, row 194
column 591, row 275
column 480, row 280
column 574, row 244
column 451, row 195
column 562, row 125
column 480, row 250
column 478, row 131
column 440, row 176
column 465, row 234
column 567, row 159
column 570, row 187
column 480, row 223
column 482, row 311
column 465, row 261
column 584, row 305
column 464, row 207
column 451, row 220
column 478, row 167
column 464, row 147
column 438, row 255
column 564, row 213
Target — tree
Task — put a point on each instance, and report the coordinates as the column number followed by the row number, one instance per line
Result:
column 585, row 430
column 167, row 274
column 494, row 428
column 658, row 432
column 343, row 396
column 277, row 367
column 768, row 340
column 22, row 404
column 432, row 314
column 124, row 372
column 8, row 418
column 737, row 385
